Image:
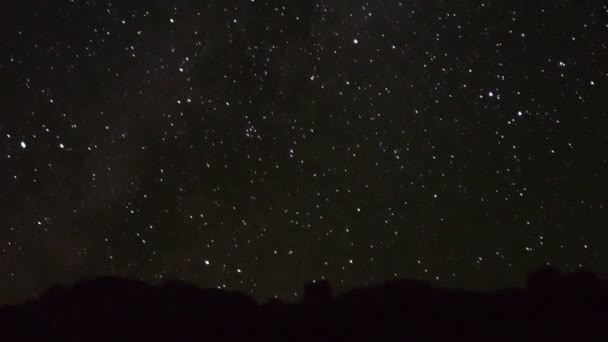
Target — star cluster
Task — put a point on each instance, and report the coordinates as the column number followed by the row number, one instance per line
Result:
column 256, row 145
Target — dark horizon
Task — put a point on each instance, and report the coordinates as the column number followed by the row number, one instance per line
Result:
column 545, row 273
column 551, row 307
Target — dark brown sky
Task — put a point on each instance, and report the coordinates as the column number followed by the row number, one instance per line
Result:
column 257, row 145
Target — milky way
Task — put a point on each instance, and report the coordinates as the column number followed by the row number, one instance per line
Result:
column 257, row 145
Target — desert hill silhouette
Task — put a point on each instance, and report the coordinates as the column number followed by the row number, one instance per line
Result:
column 551, row 307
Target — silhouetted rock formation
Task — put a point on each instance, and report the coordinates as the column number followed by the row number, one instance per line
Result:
column 317, row 293
column 552, row 307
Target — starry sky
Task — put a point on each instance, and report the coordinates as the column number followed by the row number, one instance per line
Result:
column 257, row 145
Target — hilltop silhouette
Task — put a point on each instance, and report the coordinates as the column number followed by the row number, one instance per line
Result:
column 552, row 307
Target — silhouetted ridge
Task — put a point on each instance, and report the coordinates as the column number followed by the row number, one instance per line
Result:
column 552, row 307
column 317, row 293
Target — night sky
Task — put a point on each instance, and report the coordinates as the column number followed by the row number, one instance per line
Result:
column 257, row 145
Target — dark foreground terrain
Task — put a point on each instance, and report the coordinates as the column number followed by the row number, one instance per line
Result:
column 552, row 307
